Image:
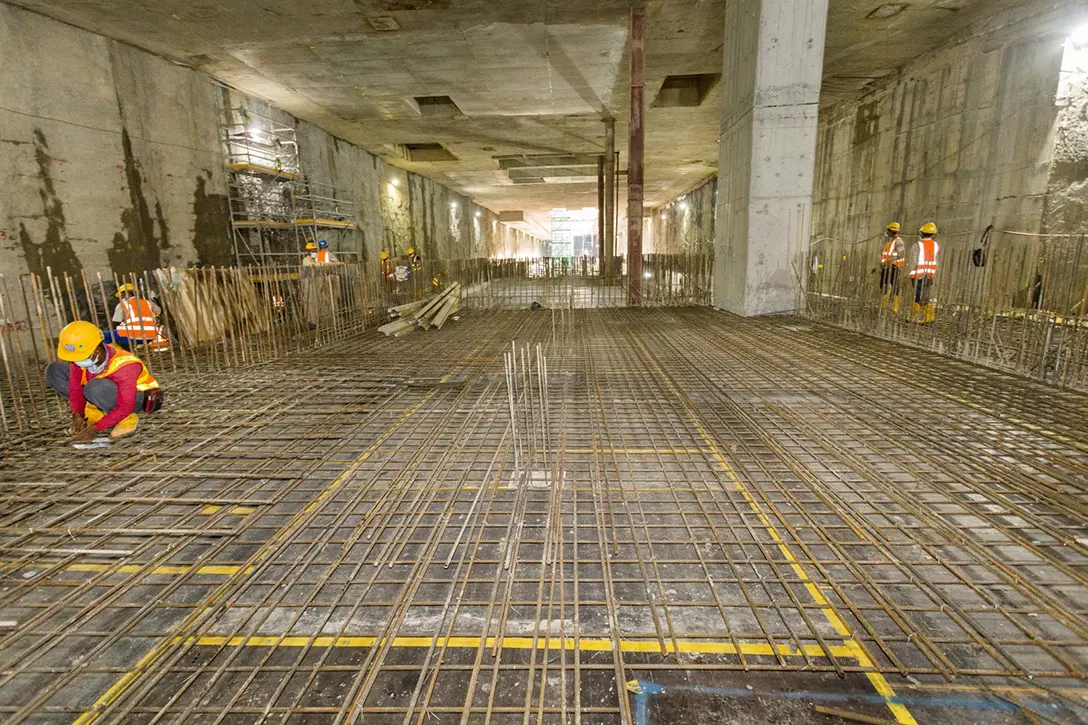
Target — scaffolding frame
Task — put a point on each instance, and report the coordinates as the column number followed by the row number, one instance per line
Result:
column 275, row 210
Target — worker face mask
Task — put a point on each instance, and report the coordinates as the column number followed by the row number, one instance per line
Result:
column 91, row 366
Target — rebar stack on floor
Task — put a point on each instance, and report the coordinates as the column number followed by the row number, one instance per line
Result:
column 340, row 535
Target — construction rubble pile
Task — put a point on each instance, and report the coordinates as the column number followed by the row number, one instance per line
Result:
column 424, row 314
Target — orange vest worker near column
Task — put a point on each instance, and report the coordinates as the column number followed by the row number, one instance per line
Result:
column 104, row 385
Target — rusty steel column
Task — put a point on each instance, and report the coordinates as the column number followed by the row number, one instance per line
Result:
column 609, row 196
column 600, row 214
column 634, row 159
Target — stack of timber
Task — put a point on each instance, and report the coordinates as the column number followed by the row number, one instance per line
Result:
column 424, row 314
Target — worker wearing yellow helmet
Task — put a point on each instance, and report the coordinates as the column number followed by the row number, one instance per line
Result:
column 892, row 257
column 105, row 386
column 386, row 265
column 136, row 320
column 311, row 254
column 924, row 272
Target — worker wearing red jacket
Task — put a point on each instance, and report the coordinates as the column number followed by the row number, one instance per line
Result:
column 105, row 386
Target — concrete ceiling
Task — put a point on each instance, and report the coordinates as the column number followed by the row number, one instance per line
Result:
column 527, row 77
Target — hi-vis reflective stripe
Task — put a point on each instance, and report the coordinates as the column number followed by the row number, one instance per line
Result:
column 139, row 318
column 889, row 253
column 927, row 259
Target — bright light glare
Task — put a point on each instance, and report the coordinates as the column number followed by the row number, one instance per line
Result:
column 684, row 205
column 662, row 215
column 453, row 205
column 1079, row 38
column 394, row 182
column 392, row 187
column 647, row 275
column 477, row 215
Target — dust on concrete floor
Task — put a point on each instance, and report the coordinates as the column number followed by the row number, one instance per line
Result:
column 342, row 534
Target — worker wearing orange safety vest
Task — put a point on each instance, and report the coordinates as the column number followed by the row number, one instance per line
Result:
column 136, row 321
column 105, row 385
column 892, row 257
column 324, row 256
column 924, row 272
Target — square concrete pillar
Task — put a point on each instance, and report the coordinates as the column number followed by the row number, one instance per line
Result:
column 771, row 76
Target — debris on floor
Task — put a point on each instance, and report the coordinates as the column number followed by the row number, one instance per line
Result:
column 424, row 313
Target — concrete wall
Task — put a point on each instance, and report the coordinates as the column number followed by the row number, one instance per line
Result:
column 686, row 224
column 110, row 159
column 963, row 137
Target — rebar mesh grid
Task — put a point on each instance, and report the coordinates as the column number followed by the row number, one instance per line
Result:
column 342, row 537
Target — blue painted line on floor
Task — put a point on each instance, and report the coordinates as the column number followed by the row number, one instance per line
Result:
column 646, row 690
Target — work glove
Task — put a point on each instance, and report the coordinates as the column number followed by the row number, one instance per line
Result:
column 77, row 425
column 86, row 435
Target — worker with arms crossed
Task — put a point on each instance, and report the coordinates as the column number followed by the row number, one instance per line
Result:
column 105, row 386
column 892, row 258
column 924, row 272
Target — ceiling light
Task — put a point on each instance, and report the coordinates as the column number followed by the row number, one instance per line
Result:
column 888, row 10
column 394, row 182
column 453, row 205
column 1079, row 38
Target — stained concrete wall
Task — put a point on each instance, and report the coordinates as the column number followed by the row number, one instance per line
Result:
column 110, row 158
column 685, row 225
column 963, row 137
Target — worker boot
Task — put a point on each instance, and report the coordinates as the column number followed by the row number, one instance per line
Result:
column 125, row 427
column 895, row 304
column 914, row 311
column 884, row 300
column 931, row 313
column 92, row 414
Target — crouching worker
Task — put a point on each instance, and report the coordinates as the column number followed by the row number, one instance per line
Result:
column 105, row 386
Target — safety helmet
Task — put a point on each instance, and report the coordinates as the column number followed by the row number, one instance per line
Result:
column 78, row 340
column 384, row 254
column 310, row 246
column 894, row 227
column 410, row 251
column 929, row 228
column 324, row 243
column 126, row 288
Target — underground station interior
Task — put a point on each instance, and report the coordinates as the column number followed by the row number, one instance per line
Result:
column 553, row 363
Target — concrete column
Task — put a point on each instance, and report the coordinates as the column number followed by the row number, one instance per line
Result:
column 771, row 74
column 609, row 197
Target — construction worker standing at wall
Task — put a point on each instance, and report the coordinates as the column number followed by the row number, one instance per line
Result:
column 892, row 258
column 925, row 270
column 324, row 256
column 311, row 254
column 104, row 385
column 136, row 321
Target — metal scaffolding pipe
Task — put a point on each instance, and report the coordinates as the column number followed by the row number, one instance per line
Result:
column 600, row 212
column 634, row 158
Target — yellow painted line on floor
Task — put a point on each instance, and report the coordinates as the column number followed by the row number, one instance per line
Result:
column 215, row 570
column 880, row 684
column 134, row 568
column 541, row 643
column 118, row 687
column 163, row 646
column 235, row 511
